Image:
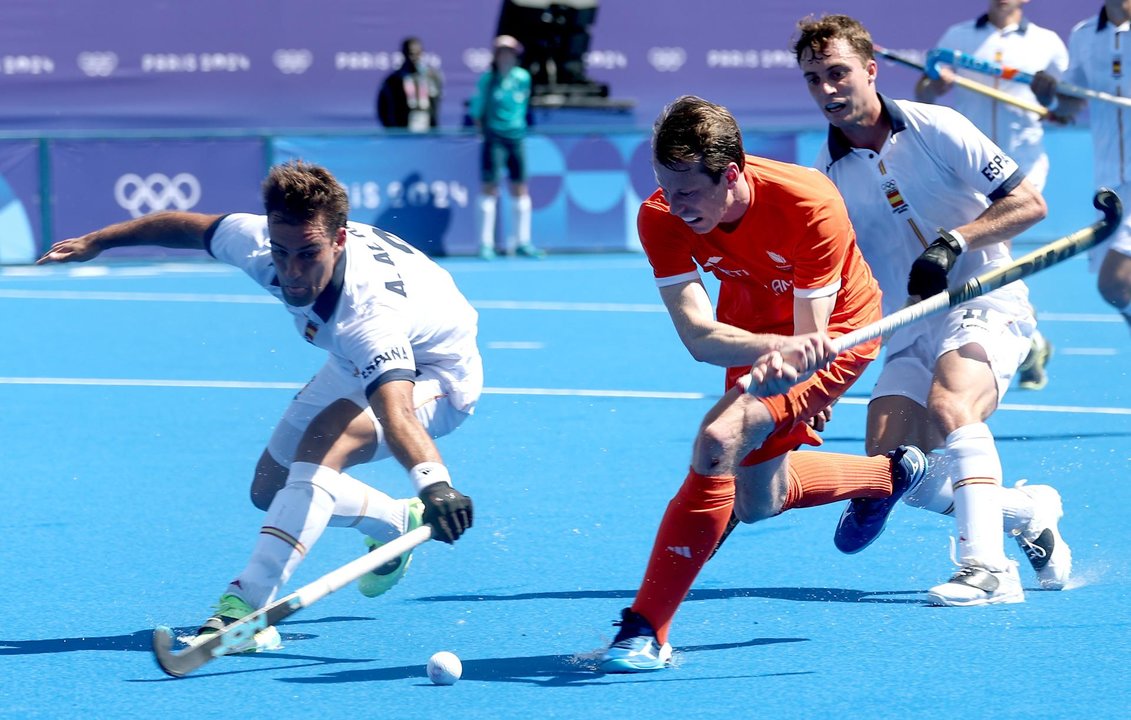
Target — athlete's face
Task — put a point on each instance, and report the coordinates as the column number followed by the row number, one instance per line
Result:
column 304, row 257
column 842, row 83
column 696, row 198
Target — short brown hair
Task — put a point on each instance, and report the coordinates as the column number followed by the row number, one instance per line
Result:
column 815, row 34
column 692, row 130
column 299, row 193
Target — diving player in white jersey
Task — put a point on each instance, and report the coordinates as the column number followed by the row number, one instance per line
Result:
column 403, row 368
column 1100, row 59
column 1004, row 35
column 934, row 202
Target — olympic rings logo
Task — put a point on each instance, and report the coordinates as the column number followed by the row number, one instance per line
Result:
column 156, row 192
column 667, row 59
column 98, row 64
column 292, row 62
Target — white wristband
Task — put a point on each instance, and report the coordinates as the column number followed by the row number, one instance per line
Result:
column 428, row 473
column 958, row 236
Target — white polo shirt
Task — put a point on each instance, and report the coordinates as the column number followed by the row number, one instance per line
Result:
column 936, row 170
column 1024, row 46
column 1101, row 60
column 387, row 310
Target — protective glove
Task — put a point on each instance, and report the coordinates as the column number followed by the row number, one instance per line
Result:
column 447, row 510
column 928, row 272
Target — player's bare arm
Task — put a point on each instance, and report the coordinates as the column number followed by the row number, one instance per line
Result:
column 929, row 90
column 708, row 340
column 446, row 509
column 167, row 229
column 1006, row 217
column 798, row 357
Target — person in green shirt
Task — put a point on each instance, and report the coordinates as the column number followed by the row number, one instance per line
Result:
column 499, row 110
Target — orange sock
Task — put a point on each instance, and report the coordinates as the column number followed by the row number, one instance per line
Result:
column 820, row 478
column 692, row 525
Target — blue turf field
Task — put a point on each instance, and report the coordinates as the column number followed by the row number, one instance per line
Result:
column 137, row 399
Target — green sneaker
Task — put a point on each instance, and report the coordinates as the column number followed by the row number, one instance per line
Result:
column 231, row 608
column 1032, row 374
column 375, row 583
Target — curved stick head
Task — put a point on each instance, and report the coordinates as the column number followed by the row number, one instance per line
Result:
column 1107, row 202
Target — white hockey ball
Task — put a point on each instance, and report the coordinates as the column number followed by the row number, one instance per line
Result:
column 444, row 668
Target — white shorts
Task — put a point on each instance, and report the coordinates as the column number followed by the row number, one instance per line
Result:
column 431, row 395
column 1000, row 325
column 1119, row 242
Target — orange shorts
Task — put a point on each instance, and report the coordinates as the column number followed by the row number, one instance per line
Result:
column 791, row 412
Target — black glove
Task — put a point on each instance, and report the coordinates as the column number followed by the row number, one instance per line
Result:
column 928, row 272
column 447, row 510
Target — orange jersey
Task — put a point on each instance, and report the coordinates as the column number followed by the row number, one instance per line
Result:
column 795, row 240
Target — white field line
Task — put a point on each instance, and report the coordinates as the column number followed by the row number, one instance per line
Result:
column 515, row 345
column 545, row 392
column 546, row 305
column 127, row 296
column 1093, row 352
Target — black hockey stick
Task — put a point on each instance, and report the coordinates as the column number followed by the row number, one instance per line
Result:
column 1105, row 201
column 239, row 633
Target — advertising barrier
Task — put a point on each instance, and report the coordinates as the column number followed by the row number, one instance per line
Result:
column 98, row 182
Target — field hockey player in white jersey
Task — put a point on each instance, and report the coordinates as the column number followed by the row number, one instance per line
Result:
column 1003, row 35
column 403, row 368
column 934, row 202
column 1100, row 60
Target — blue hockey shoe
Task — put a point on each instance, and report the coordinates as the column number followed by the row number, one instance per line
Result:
column 864, row 518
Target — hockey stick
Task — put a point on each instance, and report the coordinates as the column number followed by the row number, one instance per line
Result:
column 967, row 61
column 999, row 95
column 178, row 664
column 1105, row 201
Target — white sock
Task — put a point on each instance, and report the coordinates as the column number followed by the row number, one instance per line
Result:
column 297, row 516
column 368, row 509
column 936, row 493
column 523, row 209
column 488, row 206
column 977, row 496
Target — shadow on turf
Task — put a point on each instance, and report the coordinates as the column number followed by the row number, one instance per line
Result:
column 137, row 641
column 543, row 670
column 840, row 595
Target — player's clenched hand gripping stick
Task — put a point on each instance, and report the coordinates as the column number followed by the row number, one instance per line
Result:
column 238, row 633
column 967, row 61
column 771, row 375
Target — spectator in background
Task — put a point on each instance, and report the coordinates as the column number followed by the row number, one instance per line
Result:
column 410, row 96
column 498, row 109
column 1003, row 35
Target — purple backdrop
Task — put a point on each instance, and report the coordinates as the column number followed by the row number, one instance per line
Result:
column 307, row 63
column 98, row 182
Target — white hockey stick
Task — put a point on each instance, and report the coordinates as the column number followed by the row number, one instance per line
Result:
column 967, row 61
column 178, row 664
